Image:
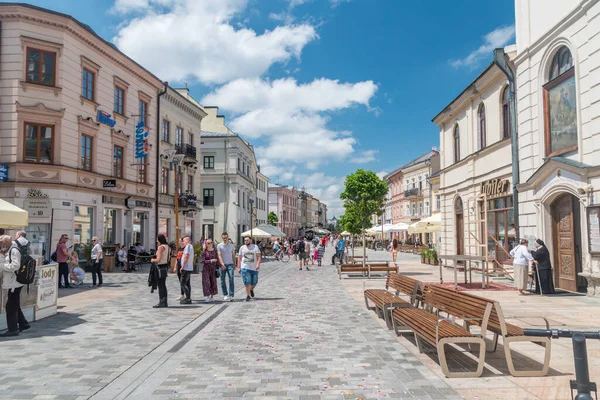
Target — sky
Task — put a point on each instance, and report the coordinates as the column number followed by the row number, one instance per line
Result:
column 319, row 87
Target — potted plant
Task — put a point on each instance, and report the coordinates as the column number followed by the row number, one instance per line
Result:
column 434, row 256
column 423, row 256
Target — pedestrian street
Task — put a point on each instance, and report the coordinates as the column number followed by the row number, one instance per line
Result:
column 302, row 337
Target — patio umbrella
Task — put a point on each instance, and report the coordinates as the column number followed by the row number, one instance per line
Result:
column 400, row 227
column 264, row 231
column 346, row 233
column 12, row 216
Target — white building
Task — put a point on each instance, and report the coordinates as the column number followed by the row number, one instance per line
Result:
column 558, row 69
column 70, row 105
column 180, row 119
column 262, row 198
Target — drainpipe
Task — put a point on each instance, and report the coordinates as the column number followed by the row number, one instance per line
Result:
column 227, row 186
column 502, row 62
column 160, row 94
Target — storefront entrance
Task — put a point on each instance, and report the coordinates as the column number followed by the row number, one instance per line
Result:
column 567, row 243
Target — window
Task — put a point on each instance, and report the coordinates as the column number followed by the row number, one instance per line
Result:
column 481, row 126
column 178, row 136
column 238, row 198
column 209, row 162
column 143, row 112
column 414, row 209
column 190, row 138
column 506, row 113
column 438, row 202
column 427, row 210
column 244, row 200
column 87, row 84
column 456, row 144
column 420, row 208
column 86, row 153
column 166, row 131
column 414, row 185
column 164, row 180
column 209, row 197
column 238, row 162
column 420, row 182
column 118, row 162
column 119, row 107
column 38, row 143
column 179, row 183
column 248, row 170
column 560, row 105
column 141, row 172
column 41, row 67
column 190, row 184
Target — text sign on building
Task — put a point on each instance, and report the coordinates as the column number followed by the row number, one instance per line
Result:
column 495, row 187
column 141, row 140
column 105, row 118
column 38, row 207
column 47, row 292
column 109, row 183
column 3, row 172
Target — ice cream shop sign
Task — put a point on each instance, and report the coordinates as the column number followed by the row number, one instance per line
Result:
column 495, row 187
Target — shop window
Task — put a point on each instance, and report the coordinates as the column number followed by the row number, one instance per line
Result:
column 560, row 105
column 506, row 113
column 83, row 224
column 110, row 226
column 481, row 127
column 86, row 153
column 41, row 67
column 119, row 106
column 118, row 162
column 456, row 144
column 209, row 197
column 38, row 143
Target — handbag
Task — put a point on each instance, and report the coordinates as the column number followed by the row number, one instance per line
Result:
column 217, row 272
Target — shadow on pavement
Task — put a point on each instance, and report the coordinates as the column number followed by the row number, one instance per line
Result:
column 51, row 326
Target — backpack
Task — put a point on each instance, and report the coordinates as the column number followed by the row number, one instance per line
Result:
column 301, row 247
column 53, row 255
column 26, row 271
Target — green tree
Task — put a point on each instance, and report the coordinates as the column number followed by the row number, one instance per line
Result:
column 351, row 223
column 364, row 195
column 272, row 219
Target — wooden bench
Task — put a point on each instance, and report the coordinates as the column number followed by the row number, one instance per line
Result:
column 367, row 269
column 496, row 323
column 384, row 300
column 439, row 331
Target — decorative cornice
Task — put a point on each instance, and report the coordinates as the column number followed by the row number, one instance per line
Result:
column 41, row 109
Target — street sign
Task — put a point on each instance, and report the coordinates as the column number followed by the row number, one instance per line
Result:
column 109, row 183
column 38, row 207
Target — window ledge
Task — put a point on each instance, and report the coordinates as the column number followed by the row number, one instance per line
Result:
column 120, row 116
column 32, row 85
column 90, row 102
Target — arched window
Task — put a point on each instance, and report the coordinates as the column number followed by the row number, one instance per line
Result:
column 506, row 112
column 456, row 144
column 458, row 206
column 560, row 105
column 481, row 126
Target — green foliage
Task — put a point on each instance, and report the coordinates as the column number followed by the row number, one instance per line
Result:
column 424, row 254
column 84, row 251
column 272, row 219
column 433, row 254
column 364, row 195
column 197, row 251
column 351, row 222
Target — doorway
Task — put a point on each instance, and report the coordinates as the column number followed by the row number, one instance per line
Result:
column 460, row 227
column 566, row 234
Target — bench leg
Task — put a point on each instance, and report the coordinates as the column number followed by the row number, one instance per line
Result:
column 367, row 304
column 495, row 342
column 444, row 363
column 509, row 360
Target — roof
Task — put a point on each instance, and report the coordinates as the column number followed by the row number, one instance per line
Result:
column 217, row 134
column 82, row 25
column 550, row 164
column 570, row 162
column 422, row 159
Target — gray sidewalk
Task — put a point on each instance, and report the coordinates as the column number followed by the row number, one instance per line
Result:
column 303, row 337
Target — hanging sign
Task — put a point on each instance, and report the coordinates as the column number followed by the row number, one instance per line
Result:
column 105, row 118
column 3, row 172
column 141, row 140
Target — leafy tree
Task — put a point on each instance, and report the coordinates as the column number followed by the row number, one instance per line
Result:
column 351, row 223
column 364, row 195
column 272, row 219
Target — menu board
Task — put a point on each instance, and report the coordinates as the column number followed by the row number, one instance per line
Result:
column 593, row 221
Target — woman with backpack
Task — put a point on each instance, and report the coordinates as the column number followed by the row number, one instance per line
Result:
column 10, row 263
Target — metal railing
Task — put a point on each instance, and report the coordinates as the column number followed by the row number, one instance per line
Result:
column 413, row 192
column 186, row 149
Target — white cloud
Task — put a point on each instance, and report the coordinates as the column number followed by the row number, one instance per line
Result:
column 365, row 157
column 381, row 174
column 200, row 41
column 330, row 195
column 292, row 118
column 499, row 37
column 334, row 3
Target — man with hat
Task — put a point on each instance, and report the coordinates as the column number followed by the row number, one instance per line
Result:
column 62, row 258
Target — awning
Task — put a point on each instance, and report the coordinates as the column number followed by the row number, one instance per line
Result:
column 427, row 225
column 264, row 231
column 12, row 216
column 346, row 233
column 400, row 227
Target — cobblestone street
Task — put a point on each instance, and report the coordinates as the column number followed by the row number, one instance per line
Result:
column 303, row 337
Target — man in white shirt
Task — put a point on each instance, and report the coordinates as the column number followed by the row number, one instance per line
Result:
column 226, row 251
column 97, row 260
column 248, row 265
column 187, row 267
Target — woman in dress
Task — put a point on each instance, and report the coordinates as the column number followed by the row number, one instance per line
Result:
column 394, row 249
column 210, row 260
column 522, row 259
column 162, row 261
column 543, row 275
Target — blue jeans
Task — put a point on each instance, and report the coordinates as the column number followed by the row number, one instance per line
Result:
column 229, row 272
column 249, row 277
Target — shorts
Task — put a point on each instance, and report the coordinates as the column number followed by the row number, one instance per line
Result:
column 302, row 255
column 249, row 277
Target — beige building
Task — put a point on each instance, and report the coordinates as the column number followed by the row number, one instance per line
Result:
column 475, row 152
column 261, row 205
column 70, row 106
column 179, row 178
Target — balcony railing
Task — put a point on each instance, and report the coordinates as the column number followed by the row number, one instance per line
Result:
column 413, row 192
column 188, row 200
column 187, row 150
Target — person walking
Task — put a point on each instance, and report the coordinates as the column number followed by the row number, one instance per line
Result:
column 248, row 265
column 97, row 260
column 543, row 268
column 62, row 258
column 210, row 261
column 179, row 255
column 187, row 267
column 162, row 261
column 301, row 246
column 122, row 258
column 522, row 259
column 10, row 262
column 394, row 247
column 226, row 251
column 340, row 247
column 320, row 253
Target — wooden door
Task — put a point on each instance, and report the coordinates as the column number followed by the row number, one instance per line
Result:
column 460, row 234
column 565, row 271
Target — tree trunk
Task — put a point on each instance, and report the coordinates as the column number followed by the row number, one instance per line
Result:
column 364, row 260
column 352, row 248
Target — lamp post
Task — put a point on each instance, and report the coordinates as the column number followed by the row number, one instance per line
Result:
column 250, row 203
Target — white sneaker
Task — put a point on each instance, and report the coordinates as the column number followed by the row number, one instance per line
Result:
column 207, row 299
column 225, row 298
column 231, row 298
column 182, row 297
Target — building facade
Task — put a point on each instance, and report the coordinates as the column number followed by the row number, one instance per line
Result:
column 322, row 215
column 395, row 182
column 71, row 105
column 475, row 142
column 283, row 201
column 262, row 198
column 179, row 178
column 558, row 69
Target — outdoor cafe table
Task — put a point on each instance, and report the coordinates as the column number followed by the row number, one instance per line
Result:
column 467, row 259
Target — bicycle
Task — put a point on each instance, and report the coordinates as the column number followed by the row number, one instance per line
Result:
column 282, row 256
column 582, row 383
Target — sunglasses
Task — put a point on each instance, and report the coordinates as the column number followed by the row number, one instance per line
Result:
column 209, row 242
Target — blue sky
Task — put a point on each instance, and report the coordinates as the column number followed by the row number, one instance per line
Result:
column 320, row 87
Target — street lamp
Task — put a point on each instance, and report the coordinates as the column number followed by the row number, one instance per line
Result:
column 250, row 203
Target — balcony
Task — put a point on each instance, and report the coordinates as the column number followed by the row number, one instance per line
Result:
column 188, row 200
column 414, row 192
column 188, row 151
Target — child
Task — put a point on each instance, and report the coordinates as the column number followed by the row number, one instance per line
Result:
column 77, row 274
column 320, row 254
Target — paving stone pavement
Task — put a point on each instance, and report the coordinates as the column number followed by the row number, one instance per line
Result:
column 303, row 337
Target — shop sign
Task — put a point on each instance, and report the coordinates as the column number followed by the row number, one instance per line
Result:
column 495, row 187
column 3, row 172
column 47, row 292
column 141, row 140
column 67, row 203
column 113, row 200
column 109, row 183
column 145, row 204
column 593, row 222
column 105, row 118
column 38, row 207
column 130, row 203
